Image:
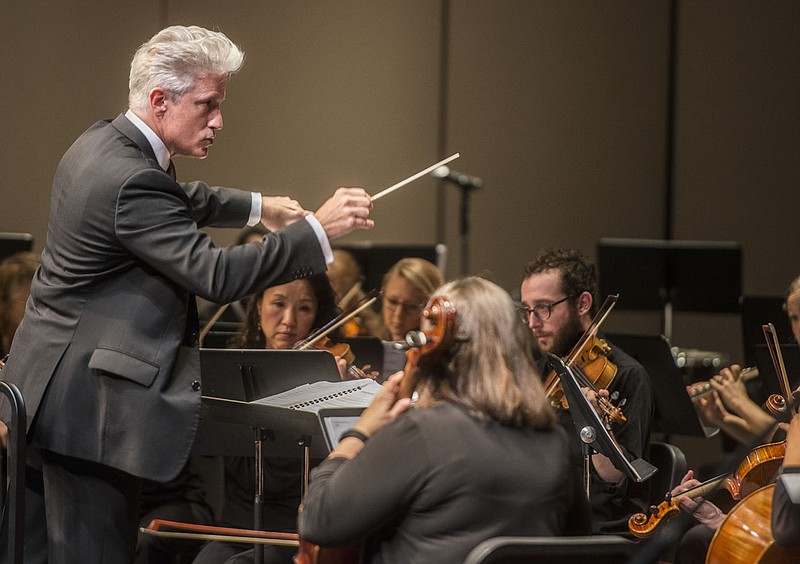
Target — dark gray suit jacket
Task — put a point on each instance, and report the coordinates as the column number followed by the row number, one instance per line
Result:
column 100, row 357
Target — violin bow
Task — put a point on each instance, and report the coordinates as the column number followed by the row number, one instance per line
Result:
column 210, row 323
column 365, row 302
column 594, row 326
column 774, row 347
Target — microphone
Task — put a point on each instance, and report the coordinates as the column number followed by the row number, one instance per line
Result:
column 463, row 180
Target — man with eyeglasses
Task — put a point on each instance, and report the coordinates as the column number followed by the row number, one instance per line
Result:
column 558, row 296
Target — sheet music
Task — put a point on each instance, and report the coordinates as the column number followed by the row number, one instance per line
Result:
column 317, row 395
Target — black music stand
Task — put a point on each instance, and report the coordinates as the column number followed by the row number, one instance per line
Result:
column 766, row 368
column 232, row 379
column 592, row 432
column 375, row 259
column 13, row 482
column 675, row 412
column 11, row 243
column 668, row 275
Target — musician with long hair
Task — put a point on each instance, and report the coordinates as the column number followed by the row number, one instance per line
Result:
column 479, row 455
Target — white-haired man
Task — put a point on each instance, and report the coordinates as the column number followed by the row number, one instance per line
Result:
column 106, row 356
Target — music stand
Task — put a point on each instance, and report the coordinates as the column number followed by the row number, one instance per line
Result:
column 592, row 432
column 675, row 412
column 668, row 275
column 234, row 377
column 375, row 259
column 756, row 311
column 11, row 243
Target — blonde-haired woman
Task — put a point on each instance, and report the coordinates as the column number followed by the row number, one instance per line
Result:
column 406, row 288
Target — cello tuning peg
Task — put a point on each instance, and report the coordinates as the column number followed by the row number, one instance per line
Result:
column 614, row 396
column 622, row 402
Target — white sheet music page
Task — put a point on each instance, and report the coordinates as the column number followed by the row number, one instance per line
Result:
column 318, row 395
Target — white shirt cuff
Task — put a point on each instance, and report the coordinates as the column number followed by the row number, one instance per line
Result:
column 255, row 209
column 322, row 237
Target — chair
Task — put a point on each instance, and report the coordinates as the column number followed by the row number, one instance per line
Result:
column 596, row 549
column 14, row 498
column 671, row 464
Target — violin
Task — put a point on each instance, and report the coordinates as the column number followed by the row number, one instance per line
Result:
column 426, row 346
column 342, row 350
column 759, row 468
column 319, row 340
column 595, row 370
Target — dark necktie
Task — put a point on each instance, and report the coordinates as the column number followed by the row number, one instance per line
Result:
column 171, row 170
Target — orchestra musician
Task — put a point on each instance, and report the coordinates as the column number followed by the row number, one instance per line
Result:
column 786, row 498
column 558, row 295
column 413, row 482
column 277, row 318
column 406, row 287
column 106, row 355
column 732, row 410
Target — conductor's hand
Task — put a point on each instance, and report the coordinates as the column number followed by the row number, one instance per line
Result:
column 347, row 210
column 280, row 211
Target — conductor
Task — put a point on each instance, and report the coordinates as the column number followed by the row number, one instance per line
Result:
column 106, row 356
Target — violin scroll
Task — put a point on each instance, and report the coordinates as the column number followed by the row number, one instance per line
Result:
column 426, row 346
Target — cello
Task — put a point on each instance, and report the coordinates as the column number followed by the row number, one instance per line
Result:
column 426, row 346
column 745, row 536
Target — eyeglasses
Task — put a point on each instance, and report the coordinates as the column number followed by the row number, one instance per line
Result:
column 407, row 307
column 541, row 311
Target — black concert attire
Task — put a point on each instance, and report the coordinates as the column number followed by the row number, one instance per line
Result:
column 785, row 511
column 612, row 504
column 436, row 482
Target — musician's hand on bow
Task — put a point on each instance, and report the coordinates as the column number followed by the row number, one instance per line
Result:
column 703, row 510
column 347, row 210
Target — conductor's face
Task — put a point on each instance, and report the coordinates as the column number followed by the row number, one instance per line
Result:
column 188, row 126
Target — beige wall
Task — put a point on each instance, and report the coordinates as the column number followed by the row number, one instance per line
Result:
column 560, row 106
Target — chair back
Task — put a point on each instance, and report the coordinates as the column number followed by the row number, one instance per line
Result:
column 14, row 497
column 594, row 549
column 671, row 464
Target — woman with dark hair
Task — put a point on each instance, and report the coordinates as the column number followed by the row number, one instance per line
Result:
column 275, row 319
column 480, row 455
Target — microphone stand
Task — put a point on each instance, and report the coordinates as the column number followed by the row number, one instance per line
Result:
column 592, row 432
column 465, row 192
